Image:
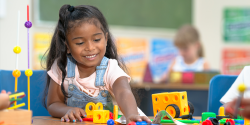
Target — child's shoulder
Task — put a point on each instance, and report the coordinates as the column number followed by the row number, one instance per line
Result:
column 246, row 69
column 113, row 61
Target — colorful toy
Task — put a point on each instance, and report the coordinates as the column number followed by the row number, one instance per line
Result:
column 206, row 115
column 17, row 49
column 175, row 77
column 229, row 122
column 207, row 122
column 89, row 109
column 246, row 121
column 175, row 103
column 242, row 87
column 87, row 119
column 141, row 123
column 132, row 123
column 222, row 114
column 110, row 122
column 28, row 72
column 115, row 114
column 96, row 112
column 214, row 121
column 15, row 95
column 100, row 116
column 192, row 77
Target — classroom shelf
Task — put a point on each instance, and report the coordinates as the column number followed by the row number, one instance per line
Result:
column 171, row 86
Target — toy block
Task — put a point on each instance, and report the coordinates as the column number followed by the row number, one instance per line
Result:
column 201, row 78
column 172, row 102
column 188, row 77
column 141, row 123
column 175, row 77
column 211, row 74
column 100, row 116
column 231, row 121
column 246, row 121
column 99, row 106
column 222, row 111
column 89, row 108
column 115, row 113
column 207, row 122
column 16, row 117
column 206, row 115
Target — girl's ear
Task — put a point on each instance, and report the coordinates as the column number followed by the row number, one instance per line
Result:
column 68, row 50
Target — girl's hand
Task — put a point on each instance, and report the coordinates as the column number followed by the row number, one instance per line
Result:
column 4, row 100
column 137, row 118
column 244, row 105
column 73, row 114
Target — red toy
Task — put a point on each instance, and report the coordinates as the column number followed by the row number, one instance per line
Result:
column 207, row 122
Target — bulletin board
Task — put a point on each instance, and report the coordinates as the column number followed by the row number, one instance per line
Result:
column 140, row 13
column 236, row 25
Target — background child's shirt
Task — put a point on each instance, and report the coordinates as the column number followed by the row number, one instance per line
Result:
column 87, row 84
column 181, row 66
column 233, row 92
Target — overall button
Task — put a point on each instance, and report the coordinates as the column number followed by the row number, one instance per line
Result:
column 104, row 94
column 71, row 87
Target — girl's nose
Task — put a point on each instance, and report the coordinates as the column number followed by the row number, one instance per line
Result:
column 89, row 46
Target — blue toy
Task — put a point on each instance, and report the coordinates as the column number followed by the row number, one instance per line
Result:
column 110, row 122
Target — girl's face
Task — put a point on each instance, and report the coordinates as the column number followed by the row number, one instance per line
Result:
column 87, row 44
column 190, row 51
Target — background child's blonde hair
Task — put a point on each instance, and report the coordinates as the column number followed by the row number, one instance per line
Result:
column 186, row 35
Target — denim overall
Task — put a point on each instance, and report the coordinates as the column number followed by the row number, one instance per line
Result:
column 80, row 99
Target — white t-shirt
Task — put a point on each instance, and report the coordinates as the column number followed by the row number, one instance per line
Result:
column 233, row 92
column 181, row 66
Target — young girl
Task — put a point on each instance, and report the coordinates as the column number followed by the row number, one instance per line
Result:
column 4, row 100
column 83, row 66
column 187, row 40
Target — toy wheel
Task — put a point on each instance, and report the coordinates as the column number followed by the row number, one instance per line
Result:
column 190, row 108
column 173, row 110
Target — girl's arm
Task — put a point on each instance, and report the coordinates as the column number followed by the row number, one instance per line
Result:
column 206, row 65
column 126, row 100
column 165, row 76
column 57, row 107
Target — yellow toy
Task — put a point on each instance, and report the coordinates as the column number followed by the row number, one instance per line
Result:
column 115, row 113
column 246, row 121
column 96, row 112
column 101, row 116
column 175, row 103
column 89, row 109
column 222, row 111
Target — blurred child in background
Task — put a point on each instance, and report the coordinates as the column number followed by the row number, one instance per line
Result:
column 190, row 58
column 4, row 100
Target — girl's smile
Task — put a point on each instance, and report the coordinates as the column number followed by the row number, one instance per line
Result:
column 91, row 57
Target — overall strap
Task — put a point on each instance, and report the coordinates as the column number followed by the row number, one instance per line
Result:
column 100, row 71
column 71, row 65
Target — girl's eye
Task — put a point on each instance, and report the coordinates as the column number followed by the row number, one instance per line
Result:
column 96, row 40
column 79, row 43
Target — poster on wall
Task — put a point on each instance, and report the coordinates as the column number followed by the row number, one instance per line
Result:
column 162, row 53
column 40, row 45
column 234, row 60
column 236, row 27
column 134, row 53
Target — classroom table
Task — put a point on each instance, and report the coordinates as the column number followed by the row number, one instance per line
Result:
column 48, row 120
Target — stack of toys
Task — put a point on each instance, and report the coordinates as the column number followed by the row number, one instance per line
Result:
column 13, row 115
column 192, row 77
column 96, row 114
